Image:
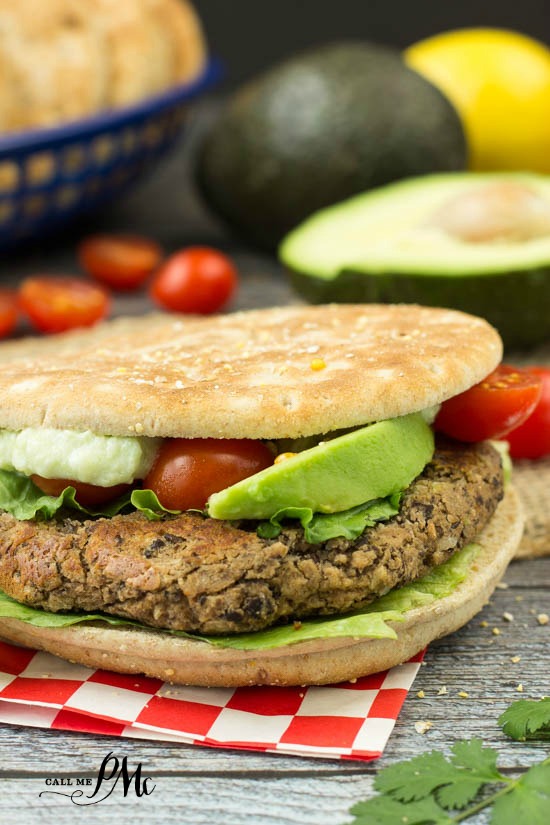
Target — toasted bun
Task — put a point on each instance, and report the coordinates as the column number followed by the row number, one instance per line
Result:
column 270, row 373
column 66, row 59
column 138, row 52
column 54, row 59
column 184, row 661
column 180, row 19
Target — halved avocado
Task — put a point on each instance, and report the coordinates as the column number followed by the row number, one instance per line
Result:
column 475, row 242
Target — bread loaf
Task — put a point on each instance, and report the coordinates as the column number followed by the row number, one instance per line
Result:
column 67, row 59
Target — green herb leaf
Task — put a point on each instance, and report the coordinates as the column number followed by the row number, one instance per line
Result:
column 527, row 719
column 528, row 800
column 454, row 783
column 474, row 767
column 537, row 779
column 426, row 789
column 472, row 756
column 385, row 810
column 415, row 778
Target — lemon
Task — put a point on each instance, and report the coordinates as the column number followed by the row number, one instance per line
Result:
column 499, row 82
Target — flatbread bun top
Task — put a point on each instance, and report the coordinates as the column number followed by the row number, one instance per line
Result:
column 270, row 373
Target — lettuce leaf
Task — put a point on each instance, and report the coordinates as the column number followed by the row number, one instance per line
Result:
column 10, row 609
column 503, row 449
column 146, row 502
column 24, row 500
column 319, row 527
column 370, row 622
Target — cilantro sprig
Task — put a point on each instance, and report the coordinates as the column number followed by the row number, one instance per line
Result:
column 432, row 789
column 527, row 719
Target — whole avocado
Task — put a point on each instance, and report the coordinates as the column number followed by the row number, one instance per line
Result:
column 318, row 128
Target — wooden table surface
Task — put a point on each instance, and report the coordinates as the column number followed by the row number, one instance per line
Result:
column 197, row 785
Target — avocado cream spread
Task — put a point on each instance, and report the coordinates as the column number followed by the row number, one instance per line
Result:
column 104, row 460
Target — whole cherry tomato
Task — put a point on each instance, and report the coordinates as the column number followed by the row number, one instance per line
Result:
column 490, row 409
column 195, row 280
column 56, row 304
column 188, row 470
column 532, row 438
column 123, row 262
column 89, row 495
column 9, row 312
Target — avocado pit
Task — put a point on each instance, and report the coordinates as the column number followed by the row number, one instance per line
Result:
column 505, row 212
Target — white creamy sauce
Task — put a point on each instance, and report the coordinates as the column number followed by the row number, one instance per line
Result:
column 80, row 456
column 430, row 413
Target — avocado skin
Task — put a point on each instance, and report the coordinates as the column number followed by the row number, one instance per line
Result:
column 318, row 128
column 494, row 296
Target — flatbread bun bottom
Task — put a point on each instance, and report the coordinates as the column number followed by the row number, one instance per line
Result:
column 185, row 661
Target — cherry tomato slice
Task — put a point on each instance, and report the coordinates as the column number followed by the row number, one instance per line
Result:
column 56, row 304
column 188, row 470
column 9, row 312
column 195, row 280
column 492, row 408
column 122, row 262
column 532, row 438
column 89, row 495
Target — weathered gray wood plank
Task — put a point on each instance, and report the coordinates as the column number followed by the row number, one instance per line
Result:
column 530, row 573
column 202, row 801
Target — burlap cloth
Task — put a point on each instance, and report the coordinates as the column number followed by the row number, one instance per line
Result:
column 532, row 480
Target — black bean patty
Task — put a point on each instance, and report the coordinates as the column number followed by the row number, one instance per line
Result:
column 201, row 575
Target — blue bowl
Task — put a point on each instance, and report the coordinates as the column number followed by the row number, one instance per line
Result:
column 50, row 176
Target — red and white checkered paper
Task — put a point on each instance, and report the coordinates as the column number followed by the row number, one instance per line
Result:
column 344, row 721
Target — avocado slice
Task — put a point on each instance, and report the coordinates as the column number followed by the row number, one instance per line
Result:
column 319, row 127
column 369, row 463
column 475, row 242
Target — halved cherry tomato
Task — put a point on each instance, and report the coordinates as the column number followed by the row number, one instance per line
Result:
column 89, row 495
column 188, row 470
column 121, row 261
column 532, row 438
column 8, row 312
column 502, row 401
column 197, row 280
column 55, row 304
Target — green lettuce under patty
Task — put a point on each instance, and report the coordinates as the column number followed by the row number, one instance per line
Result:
column 370, row 622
